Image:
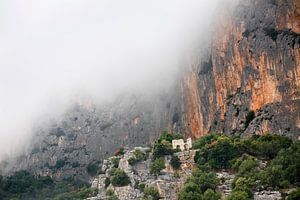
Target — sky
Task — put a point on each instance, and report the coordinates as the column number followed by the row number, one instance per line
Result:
column 51, row 50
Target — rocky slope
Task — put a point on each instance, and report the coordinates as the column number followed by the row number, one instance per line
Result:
column 88, row 133
column 253, row 65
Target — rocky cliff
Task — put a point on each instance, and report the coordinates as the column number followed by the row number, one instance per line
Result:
column 250, row 82
column 87, row 133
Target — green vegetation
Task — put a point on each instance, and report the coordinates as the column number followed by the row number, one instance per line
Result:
column 215, row 152
column 92, row 169
column 138, row 156
column 157, row 165
column 163, row 146
column 265, row 146
column 294, row 195
column 218, row 152
column 175, row 162
column 110, row 195
column 59, row 164
column 23, row 185
column 119, row 178
column 201, row 185
column 115, row 161
column 151, row 193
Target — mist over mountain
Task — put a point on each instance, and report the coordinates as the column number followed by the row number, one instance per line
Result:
column 54, row 51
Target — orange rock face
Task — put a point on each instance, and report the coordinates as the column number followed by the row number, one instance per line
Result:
column 255, row 65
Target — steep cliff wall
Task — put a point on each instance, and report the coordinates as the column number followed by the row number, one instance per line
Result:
column 250, row 83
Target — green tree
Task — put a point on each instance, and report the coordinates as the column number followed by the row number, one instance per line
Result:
column 169, row 136
column 175, row 162
column 203, row 180
column 190, row 191
column 157, row 165
column 162, row 149
column 151, row 193
column 120, row 178
column 211, row 195
column 238, row 195
column 92, row 169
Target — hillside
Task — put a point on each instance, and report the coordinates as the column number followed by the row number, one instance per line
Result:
column 217, row 167
column 246, row 83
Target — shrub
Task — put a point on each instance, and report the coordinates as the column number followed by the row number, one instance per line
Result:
column 19, row 182
column 211, row 195
column 204, row 180
column 157, row 165
column 151, row 193
column 265, row 146
column 162, row 148
column 238, row 195
column 60, row 164
column 110, row 195
column 132, row 161
column 139, row 155
column 284, row 167
column 208, row 139
column 218, row 154
column 190, row 191
column 141, row 187
column 92, row 169
column 169, row 136
column 120, row 178
column 294, row 195
column 115, row 162
column 175, row 162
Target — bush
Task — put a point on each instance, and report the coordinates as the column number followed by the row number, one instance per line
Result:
column 110, row 195
column 294, row 195
column 211, row 195
column 115, row 162
column 238, row 195
column 218, row 153
column 151, row 193
column 119, row 178
column 285, row 167
column 169, row 136
column 92, row 169
column 175, row 162
column 190, row 191
column 138, row 156
column 60, row 164
column 19, row 182
column 207, row 139
column 157, row 165
column 162, row 149
column 204, row 180
column 132, row 161
column 23, row 185
column 265, row 146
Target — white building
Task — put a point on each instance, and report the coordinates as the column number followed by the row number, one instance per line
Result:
column 182, row 145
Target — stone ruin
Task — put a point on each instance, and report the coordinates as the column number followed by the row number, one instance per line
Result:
column 180, row 144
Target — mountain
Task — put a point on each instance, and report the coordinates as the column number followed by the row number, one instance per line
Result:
column 247, row 82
